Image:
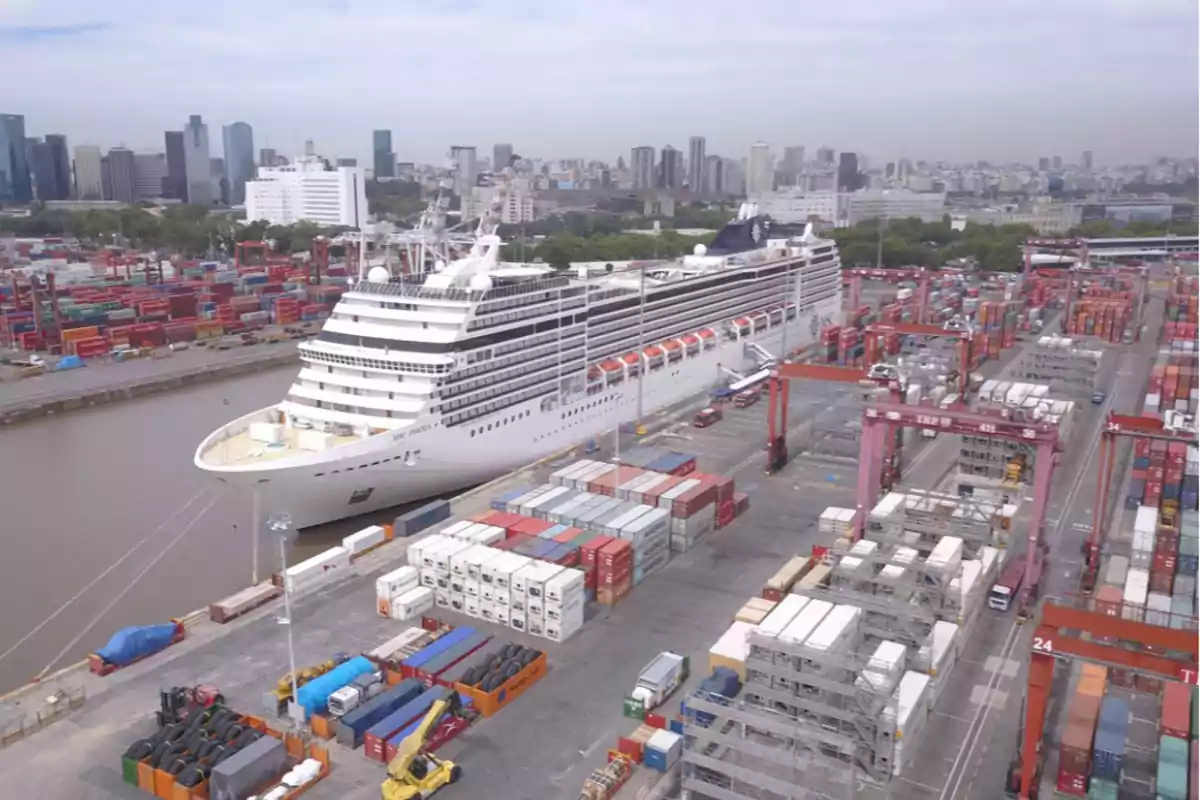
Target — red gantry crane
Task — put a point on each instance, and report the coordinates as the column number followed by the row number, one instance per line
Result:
column 777, row 403
column 912, row 329
column 1114, row 635
column 1115, row 426
column 879, row 423
column 922, row 276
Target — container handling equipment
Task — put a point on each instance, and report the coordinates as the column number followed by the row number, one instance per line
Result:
column 414, row 775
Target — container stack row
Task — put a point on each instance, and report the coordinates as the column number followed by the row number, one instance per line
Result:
column 1065, row 365
column 1174, row 386
column 1180, row 330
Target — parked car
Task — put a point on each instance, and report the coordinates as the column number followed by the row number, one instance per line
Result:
column 706, row 417
column 746, row 398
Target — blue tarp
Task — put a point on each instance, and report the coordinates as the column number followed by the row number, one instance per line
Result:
column 314, row 695
column 129, row 644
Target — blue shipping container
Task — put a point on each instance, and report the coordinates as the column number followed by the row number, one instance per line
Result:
column 500, row 502
column 313, row 696
column 463, row 700
column 387, row 727
column 447, row 659
column 421, row 518
column 552, row 531
column 443, row 644
column 352, row 726
column 670, row 462
column 654, row 759
column 1108, row 750
column 1142, row 462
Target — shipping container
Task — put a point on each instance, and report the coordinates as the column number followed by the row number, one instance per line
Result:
column 376, row 737
column 248, row 769
column 355, row 723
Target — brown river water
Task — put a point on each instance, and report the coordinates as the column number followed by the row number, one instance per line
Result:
column 79, row 490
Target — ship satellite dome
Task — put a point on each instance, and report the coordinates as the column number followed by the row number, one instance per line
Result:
column 480, row 282
column 700, row 250
column 379, row 275
column 439, row 265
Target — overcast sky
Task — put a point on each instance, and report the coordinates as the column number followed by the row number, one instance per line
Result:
column 934, row 79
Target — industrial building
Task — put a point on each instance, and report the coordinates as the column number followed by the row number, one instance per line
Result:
column 307, row 192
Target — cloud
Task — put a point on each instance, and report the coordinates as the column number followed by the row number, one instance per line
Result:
column 934, row 78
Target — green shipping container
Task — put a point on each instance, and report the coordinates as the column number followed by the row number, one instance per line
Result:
column 632, row 707
column 1100, row 789
column 1172, row 783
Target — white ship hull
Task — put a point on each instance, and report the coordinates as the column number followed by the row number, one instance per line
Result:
column 373, row 474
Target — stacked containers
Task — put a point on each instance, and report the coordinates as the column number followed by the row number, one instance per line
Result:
column 1108, row 753
column 1075, row 751
column 614, row 571
column 1172, row 776
column 649, row 533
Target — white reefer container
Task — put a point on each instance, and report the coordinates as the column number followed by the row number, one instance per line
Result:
column 1137, row 587
column 365, row 539
column 912, row 710
column 535, row 584
column 941, row 565
column 317, row 570
column 393, row 584
column 412, row 604
column 565, row 585
column 502, row 572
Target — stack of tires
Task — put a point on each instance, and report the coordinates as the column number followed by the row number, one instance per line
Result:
column 499, row 667
column 189, row 749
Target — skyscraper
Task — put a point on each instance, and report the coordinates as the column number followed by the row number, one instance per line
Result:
column 847, row 173
column 385, row 156
column 1087, row 161
column 41, row 164
column 697, row 161
column 468, row 169
column 198, row 162
column 1056, row 162
column 267, row 157
column 15, row 183
column 60, row 164
column 1043, row 164
column 641, row 163
column 177, row 181
column 760, row 172
column 670, row 171
column 120, row 173
column 793, row 158
column 238, row 141
column 502, row 155
column 714, row 175
column 149, row 175
column 89, row 182
column 825, row 155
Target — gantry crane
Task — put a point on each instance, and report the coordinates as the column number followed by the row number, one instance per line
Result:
column 854, row 278
column 964, row 346
column 879, row 422
column 1115, row 426
column 1082, row 629
column 777, row 404
column 1140, row 275
column 318, row 261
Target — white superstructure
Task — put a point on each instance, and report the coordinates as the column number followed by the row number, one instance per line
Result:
column 421, row 385
column 308, row 192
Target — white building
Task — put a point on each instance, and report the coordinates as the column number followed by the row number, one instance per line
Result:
column 307, row 191
column 516, row 203
column 794, row 206
column 89, row 181
column 760, row 171
column 893, row 204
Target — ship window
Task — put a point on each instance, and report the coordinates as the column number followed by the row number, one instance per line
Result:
column 472, row 433
column 374, row 463
column 320, row 475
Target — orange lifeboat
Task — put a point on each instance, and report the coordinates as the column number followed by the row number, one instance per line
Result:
column 742, row 322
column 708, row 333
column 671, row 344
column 612, row 365
column 690, row 339
column 593, row 374
column 653, row 351
column 631, row 359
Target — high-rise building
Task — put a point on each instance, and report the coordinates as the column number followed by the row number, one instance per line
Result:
column 199, row 162
column 15, row 183
column 267, row 157
column 384, row 161
column 825, row 155
column 1057, row 162
column 793, row 159
column 889, row 171
column 848, row 178
column 502, row 155
column 760, row 171
column 119, row 174
column 41, row 167
column 149, row 175
column 219, row 175
column 346, row 162
column 697, row 161
column 735, row 176
column 177, row 180
column 467, row 168
column 89, row 182
column 238, row 141
column 60, row 166
column 714, row 175
column 670, row 169
column 1087, row 161
column 641, row 163
column 1043, row 164
column 308, row 191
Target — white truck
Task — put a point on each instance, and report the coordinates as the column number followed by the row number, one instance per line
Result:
column 360, row 690
column 659, row 679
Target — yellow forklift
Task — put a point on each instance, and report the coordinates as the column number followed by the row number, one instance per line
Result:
column 415, row 775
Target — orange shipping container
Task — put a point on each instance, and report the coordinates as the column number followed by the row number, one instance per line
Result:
column 1092, row 679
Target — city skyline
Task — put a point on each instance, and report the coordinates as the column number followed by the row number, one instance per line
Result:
column 1051, row 95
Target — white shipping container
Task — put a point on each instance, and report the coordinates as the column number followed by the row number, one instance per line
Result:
column 811, row 616
column 521, row 578
column 1146, row 519
column 1143, row 541
column 501, row 572
column 989, row 557
column 471, row 606
column 534, row 508
column 459, row 561
column 535, row 584
column 266, row 432
column 454, row 530
column 565, row 585
column 394, row 645
column 1137, row 585
column 566, row 475
column 863, row 547
column 943, row 647
column 911, row 706
column 396, row 582
column 429, row 549
column 412, row 604
column 558, row 631
column 317, row 570
column 652, row 481
column 1115, row 571
column 734, row 644
column 668, row 497
column 782, row 615
column 654, row 521
column 840, row 625
column 443, row 554
column 468, row 534
column 491, row 534
column 365, row 539
column 557, row 612
column 617, row 524
column 1158, row 609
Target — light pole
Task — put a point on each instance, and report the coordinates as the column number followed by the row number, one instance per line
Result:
column 281, row 524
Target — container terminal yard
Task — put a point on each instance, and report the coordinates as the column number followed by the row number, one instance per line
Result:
column 907, row 628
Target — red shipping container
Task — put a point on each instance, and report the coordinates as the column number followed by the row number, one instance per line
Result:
column 614, row 552
column 606, row 484
column 569, row 559
column 694, row 500
column 513, row 541
column 611, row 595
column 651, row 497
column 1109, row 600
column 1161, row 580
column 1176, row 710
column 531, row 526
column 589, row 550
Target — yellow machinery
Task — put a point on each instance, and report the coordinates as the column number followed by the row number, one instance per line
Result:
column 283, row 687
column 1014, row 470
column 413, row 775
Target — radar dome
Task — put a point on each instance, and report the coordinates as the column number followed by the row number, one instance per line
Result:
column 480, row 283
column 439, row 265
column 700, row 250
column 379, row 275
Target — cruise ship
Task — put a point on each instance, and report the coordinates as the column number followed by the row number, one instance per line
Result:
column 418, row 385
